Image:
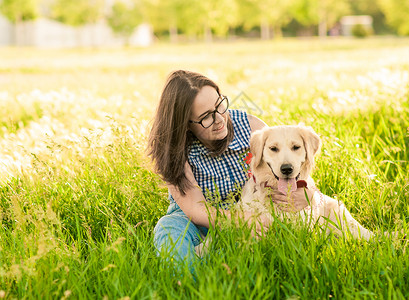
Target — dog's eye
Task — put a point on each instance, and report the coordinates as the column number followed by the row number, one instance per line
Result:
column 295, row 147
column 274, row 149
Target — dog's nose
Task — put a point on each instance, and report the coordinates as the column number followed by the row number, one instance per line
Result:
column 286, row 169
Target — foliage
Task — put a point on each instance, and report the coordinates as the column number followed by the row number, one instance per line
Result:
column 192, row 18
column 266, row 14
column 397, row 14
column 360, row 31
column 124, row 18
column 218, row 16
column 19, row 10
column 77, row 12
column 206, row 18
column 166, row 15
column 313, row 12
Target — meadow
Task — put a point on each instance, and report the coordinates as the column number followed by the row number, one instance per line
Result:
column 79, row 200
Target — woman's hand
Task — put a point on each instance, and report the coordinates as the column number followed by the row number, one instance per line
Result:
column 261, row 223
column 294, row 201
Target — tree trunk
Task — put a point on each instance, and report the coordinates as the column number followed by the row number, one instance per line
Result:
column 17, row 32
column 173, row 34
column 208, row 36
column 278, row 33
column 232, row 33
column 16, row 35
column 265, row 30
column 322, row 29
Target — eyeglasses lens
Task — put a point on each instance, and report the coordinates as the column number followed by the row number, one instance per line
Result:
column 209, row 119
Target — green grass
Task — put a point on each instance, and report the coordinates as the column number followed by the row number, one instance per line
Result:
column 78, row 199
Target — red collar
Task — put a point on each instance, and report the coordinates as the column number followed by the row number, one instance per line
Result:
column 251, row 175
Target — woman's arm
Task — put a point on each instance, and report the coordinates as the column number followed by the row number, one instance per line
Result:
column 193, row 204
column 255, row 123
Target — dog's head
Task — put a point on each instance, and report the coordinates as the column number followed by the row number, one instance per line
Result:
column 283, row 153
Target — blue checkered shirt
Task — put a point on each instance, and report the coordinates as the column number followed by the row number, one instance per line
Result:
column 222, row 176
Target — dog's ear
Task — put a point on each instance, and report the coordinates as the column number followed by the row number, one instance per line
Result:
column 257, row 142
column 312, row 143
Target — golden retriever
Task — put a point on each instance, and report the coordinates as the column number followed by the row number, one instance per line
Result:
column 281, row 157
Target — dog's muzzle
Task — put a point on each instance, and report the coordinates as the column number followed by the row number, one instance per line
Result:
column 286, row 169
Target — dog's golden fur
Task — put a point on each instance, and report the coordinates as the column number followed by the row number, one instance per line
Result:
column 293, row 147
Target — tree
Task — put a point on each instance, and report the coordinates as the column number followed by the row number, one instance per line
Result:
column 369, row 7
column 277, row 13
column 77, row 12
column 182, row 15
column 397, row 14
column 330, row 11
column 17, row 11
column 324, row 13
column 124, row 18
column 249, row 13
column 166, row 15
column 193, row 18
column 266, row 14
column 306, row 12
column 218, row 16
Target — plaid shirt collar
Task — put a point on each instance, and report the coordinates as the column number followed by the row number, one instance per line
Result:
column 197, row 148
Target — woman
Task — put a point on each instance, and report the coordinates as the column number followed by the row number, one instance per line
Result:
column 197, row 146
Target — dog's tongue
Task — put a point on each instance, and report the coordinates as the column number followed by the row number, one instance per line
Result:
column 283, row 185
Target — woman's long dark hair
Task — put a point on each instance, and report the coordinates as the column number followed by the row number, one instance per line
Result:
column 170, row 137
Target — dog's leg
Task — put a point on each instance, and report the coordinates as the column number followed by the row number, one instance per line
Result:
column 337, row 213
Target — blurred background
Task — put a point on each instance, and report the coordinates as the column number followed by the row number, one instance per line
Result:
column 76, row 23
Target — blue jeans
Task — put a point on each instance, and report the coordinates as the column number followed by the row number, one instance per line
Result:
column 175, row 236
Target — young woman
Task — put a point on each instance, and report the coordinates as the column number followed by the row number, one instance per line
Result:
column 197, row 146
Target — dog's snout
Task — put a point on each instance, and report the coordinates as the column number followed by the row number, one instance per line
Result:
column 286, row 169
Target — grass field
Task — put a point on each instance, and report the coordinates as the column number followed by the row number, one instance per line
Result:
column 78, row 200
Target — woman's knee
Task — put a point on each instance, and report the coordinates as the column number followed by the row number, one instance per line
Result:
column 171, row 226
column 175, row 233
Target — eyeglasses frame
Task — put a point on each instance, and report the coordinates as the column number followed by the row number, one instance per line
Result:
column 213, row 113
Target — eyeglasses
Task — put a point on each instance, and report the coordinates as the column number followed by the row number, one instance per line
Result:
column 209, row 119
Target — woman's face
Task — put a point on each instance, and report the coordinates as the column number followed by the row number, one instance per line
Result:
column 205, row 102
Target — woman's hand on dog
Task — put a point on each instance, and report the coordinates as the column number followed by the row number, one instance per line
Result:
column 293, row 202
column 262, row 223
column 258, row 222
